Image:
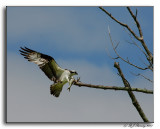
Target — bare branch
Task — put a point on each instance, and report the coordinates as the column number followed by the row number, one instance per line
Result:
column 145, row 51
column 136, row 13
column 134, row 43
column 146, row 78
column 113, row 87
column 150, row 59
column 127, row 61
column 122, row 24
column 114, row 58
column 142, row 76
column 132, row 96
column 137, row 23
column 149, row 66
column 116, row 45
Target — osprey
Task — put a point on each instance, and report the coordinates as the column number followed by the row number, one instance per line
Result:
column 51, row 69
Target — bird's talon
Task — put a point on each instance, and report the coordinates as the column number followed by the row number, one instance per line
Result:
column 69, row 88
column 78, row 79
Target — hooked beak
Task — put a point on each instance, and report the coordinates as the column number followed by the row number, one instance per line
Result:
column 76, row 73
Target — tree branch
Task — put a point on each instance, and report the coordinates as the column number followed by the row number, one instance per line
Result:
column 112, row 87
column 142, row 76
column 150, row 66
column 136, row 21
column 127, row 61
column 146, row 52
column 134, row 43
column 122, row 24
column 150, row 59
column 132, row 96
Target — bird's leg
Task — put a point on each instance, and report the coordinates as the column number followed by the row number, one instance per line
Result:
column 53, row 79
column 78, row 79
column 57, row 81
column 70, row 83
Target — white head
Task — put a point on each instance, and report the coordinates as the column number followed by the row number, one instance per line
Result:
column 73, row 72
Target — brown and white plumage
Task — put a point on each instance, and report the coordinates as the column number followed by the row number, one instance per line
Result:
column 51, row 69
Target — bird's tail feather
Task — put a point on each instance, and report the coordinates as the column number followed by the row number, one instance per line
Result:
column 56, row 89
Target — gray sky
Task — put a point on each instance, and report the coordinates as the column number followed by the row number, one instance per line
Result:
column 81, row 33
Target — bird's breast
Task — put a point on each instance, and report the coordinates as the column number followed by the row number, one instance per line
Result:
column 64, row 76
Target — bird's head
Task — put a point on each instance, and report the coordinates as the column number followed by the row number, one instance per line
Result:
column 73, row 72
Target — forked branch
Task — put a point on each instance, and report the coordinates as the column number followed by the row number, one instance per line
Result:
column 122, row 24
column 127, row 61
column 139, row 38
column 150, row 57
column 132, row 96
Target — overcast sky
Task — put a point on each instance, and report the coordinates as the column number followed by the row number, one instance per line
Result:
column 77, row 37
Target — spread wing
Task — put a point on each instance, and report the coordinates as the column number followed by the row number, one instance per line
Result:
column 46, row 63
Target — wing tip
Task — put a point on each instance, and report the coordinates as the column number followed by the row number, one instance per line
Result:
column 23, row 52
column 25, row 49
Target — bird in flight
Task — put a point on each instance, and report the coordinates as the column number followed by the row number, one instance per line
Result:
column 51, row 69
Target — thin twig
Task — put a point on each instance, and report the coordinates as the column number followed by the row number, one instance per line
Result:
column 127, row 61
column 116, row 45
column 149, row 66
column 122, row 24
column 114, row 58
column 150, row 59
column 134, row 43
column 142, row 76
column 137, row 23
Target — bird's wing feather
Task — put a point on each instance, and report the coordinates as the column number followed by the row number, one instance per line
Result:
column 56, row 89
column 46, row 63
